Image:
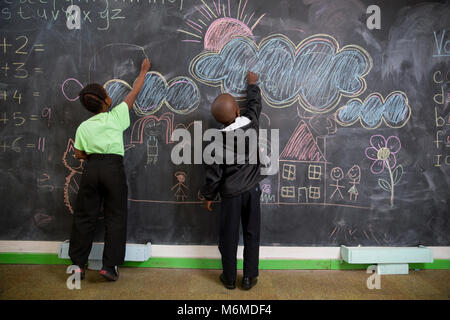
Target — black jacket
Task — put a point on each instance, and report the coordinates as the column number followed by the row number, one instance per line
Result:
column 232, row 179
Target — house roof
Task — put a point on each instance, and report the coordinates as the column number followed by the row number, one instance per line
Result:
column 302, row 145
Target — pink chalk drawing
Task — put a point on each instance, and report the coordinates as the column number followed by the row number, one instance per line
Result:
column 64, row 85
column 137, row 131
column 354, row 174
column 266, row 188
column 217, row 23
column 302, row 146
column 383, row 153
column 72, row 183
column 148, row 130
column 266, row 194
column 180, row 193
column 222, row 30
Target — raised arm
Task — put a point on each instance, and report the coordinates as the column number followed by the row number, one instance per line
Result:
column 138, row 83
column 253, row 97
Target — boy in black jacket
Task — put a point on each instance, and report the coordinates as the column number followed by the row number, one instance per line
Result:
column 238, row 185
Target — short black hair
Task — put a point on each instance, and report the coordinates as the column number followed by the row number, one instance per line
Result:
column 92, row 97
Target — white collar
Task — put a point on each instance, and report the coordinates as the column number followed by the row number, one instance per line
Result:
column 239, row 122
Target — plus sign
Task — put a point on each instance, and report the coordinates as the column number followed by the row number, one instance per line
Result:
column 4, row 45
column 4, row 146
column 6, row 68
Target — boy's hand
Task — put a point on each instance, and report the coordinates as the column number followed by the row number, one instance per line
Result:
column 80, row 154
column 252, row 77
column 207, row 204
column 145, row 65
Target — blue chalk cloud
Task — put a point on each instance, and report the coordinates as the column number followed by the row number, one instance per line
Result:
column 316, row 72
column 181, row 94
column 394, row 111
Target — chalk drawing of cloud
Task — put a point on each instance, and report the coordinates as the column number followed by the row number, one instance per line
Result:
column 316, row 73
column 394, row 111
column 180, row 94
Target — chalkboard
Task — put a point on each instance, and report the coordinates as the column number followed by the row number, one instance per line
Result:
column 359, row 91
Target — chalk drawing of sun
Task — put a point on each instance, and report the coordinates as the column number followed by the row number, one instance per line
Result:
column 216, row 25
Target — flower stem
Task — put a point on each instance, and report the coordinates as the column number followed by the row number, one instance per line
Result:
column 392, row 182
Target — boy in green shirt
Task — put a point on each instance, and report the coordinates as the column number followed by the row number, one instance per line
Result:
column 99, row 140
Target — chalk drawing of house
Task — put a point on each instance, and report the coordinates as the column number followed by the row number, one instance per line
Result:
column 302, row 168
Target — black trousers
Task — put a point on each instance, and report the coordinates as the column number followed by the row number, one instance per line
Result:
column 244, row 208
column 103, row 180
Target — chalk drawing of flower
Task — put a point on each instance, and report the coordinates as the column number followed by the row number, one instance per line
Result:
column 383, row 153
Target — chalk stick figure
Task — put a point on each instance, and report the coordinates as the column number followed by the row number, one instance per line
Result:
column 181, row 187
column 152, row 130
column 354, row 174
column 337, row 175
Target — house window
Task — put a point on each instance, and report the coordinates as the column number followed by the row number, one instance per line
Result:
column 314, row 172
column 314, row 192
column 289, row 172
column 288, row 192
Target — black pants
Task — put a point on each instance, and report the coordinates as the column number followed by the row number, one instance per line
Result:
column 244, row 208
column 103, row 180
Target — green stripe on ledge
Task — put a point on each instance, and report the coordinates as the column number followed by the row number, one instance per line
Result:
column 203, row 263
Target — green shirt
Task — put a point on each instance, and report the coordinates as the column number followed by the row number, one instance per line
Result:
column 103, row 133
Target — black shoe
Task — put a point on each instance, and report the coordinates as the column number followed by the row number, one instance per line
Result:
column 80, row 270
column 110, row 273
column 228, row 284
column 248, row 283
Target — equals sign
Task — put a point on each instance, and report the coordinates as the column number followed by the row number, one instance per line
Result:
column 31, row 145
column 41, row 144
column 36, row 94
column 38, row 47
column 34, row 117
column 38, row 70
